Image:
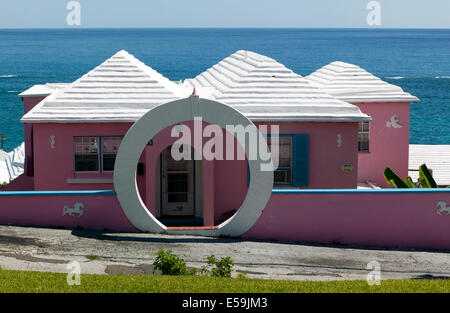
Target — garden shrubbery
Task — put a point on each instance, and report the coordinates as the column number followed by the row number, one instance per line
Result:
column 171, row 264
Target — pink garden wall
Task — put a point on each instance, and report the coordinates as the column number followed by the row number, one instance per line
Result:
column 397, row 218
column 404, row 218
column 389, row 146
column 101, row 210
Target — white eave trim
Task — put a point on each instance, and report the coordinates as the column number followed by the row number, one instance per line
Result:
column 328, row 119
column 34, row 95
column 379, row 100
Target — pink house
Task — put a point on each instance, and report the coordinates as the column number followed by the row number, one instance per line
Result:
column 77, row 130
column 339, row 127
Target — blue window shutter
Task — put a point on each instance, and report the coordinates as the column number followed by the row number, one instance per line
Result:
column 300, row 160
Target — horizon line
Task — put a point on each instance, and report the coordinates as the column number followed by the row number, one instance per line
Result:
column 220, row 27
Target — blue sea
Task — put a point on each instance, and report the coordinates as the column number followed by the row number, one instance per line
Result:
column 416, row 60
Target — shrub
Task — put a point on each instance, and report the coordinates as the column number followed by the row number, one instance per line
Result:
column 204, row 270
column 2, row 185
column 223, row 267
column 193, row 271
column 169, row 263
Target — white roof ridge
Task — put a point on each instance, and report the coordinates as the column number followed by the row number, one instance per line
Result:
column 253, row 59
column 167, row 83
column 176, row 89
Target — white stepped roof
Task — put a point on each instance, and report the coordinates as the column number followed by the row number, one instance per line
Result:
column 351, row 83
column 43, row 90
column 265, row 90
column 121, row 89
column 11, row 164
column 437, row 159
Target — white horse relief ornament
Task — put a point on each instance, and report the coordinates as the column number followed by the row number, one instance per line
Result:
column 339, row 140
column 442, row 208
column 76, row 211
column 52, row 141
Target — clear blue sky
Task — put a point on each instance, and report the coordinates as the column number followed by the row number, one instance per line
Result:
column 225, row 13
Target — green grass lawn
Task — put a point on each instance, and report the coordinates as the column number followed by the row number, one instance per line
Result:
column 23, row 281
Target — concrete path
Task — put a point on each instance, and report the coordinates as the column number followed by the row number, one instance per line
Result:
column 42, row 249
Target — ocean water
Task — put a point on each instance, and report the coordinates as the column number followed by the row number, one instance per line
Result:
column 416, row 60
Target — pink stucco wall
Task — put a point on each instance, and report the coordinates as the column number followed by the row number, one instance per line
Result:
column 21, row 183
column 101, row 212
column 372, row 218
column 389, row 147
column 325, row 161
column 53, row 166
column 28, row 104
column 325, row 156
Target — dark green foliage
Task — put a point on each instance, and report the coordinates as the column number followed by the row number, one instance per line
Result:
column 426, row 179
column 394, row 179
column 169, row 263
column 223, row 267
column 409, row 182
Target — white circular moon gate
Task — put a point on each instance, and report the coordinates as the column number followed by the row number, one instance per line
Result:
column 157, row 119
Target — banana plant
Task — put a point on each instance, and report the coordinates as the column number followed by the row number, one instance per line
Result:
column 409, row 182
column 394, row 179
column 425, row 178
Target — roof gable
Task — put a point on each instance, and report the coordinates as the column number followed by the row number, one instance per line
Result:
column 349, row 82
column 120, row 89
column 263, row 89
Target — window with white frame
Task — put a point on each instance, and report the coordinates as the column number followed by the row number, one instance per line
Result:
column 96, row 154
column 283, row 174
column 364, row 137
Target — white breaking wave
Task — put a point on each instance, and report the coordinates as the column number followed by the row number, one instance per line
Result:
column 402, row 77
column 12, row 164
column 396, row 77
column 8, row 76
